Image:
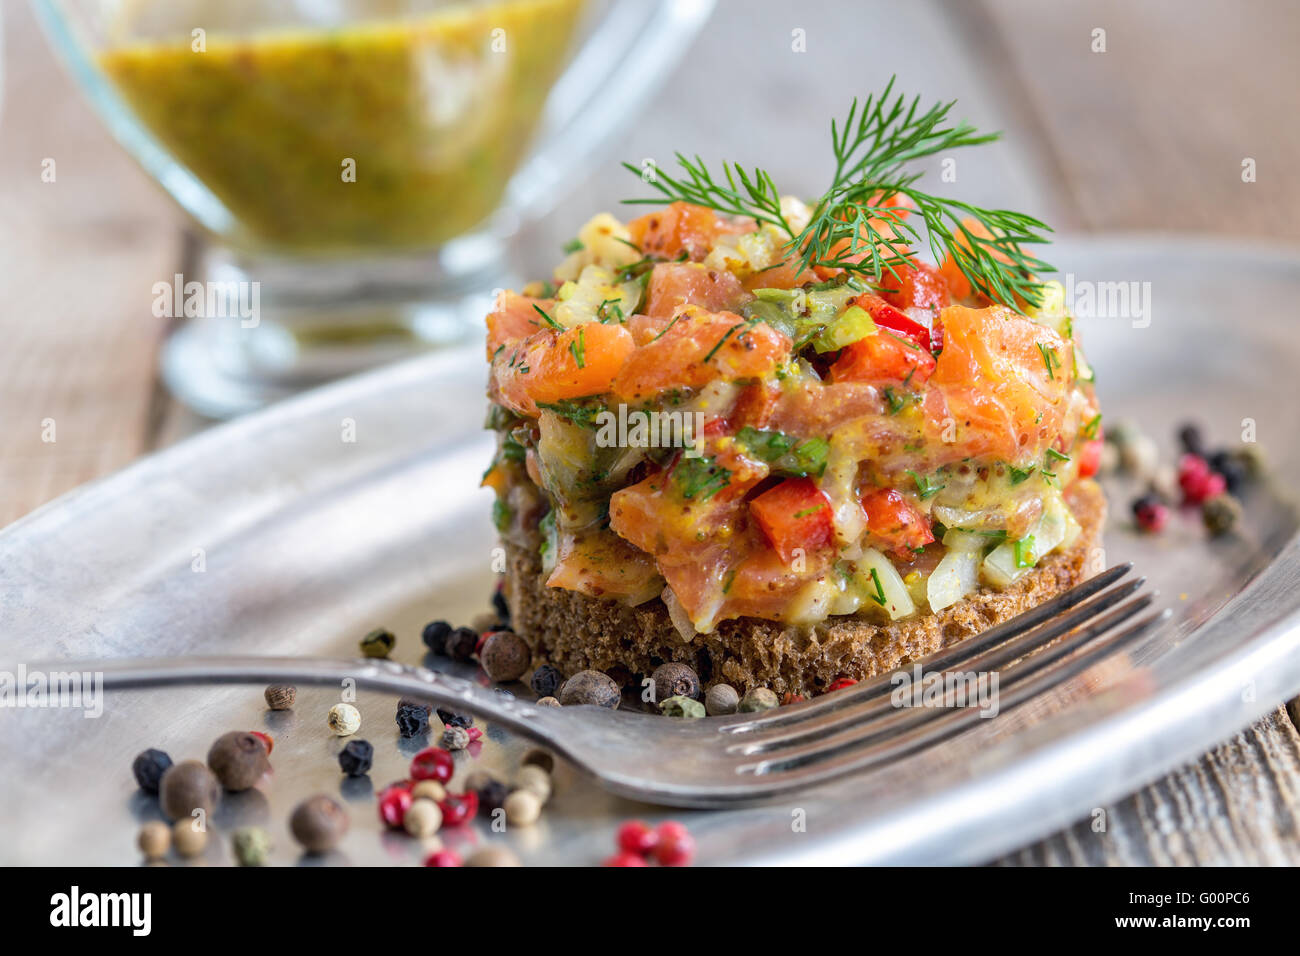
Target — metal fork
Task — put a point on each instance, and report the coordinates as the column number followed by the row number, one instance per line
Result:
column 746, row 758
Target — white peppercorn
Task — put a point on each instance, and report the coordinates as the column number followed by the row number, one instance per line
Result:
column 423, row 818
column 493, row 856
column 534, row 779
column 429, row 790
column 523, row 808
column 189, row 838
column 155, row 840
column 344, row 720
column 721, row 699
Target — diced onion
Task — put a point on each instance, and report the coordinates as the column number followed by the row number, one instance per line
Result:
column 898, row 603
column 956, row 576
column 677, row 614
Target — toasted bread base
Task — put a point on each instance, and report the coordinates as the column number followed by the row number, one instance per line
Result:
column 574, row 632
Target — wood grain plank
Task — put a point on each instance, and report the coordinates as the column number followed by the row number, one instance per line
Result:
column 78, row 258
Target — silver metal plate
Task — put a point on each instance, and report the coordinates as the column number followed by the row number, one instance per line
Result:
column 308, row 540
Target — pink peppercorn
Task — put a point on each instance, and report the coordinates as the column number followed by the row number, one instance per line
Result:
column 432, row 763
column 458, row 808
column 675, row 847
column 394, row 801
column 842, row 683
column 266, row 739
column 637, row 837
column 442, row 858
column 1197, row 481
column 625, row 859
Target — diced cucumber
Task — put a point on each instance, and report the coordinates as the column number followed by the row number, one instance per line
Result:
column 854, row 323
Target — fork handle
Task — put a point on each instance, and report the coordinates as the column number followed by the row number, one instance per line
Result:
column 371, row 673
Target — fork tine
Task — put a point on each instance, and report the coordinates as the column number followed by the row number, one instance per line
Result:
column 819, row 763
column 962, row 652
column 881, row 718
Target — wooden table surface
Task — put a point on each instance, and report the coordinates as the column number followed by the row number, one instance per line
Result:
column 1149, row 135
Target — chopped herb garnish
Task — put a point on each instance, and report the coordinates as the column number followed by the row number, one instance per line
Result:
column 574, row 245
column 785, row 453
column 512, row 450
column 700, row 477
column 579, row 411
column 1050, row 359
column 1019, row 474
column 1092, row 427
column 610, row 310
column 578, row 348
column 1053, row 453
column 896, row 402
column 925, row 487
column 1023, row 551
column 809, row 511
column 722, row 341
column 879, row 596
column 667, row 327
column 549, row 321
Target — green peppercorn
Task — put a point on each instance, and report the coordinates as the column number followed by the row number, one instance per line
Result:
column 238, row 759
column 1221, row 513
column 251, row 846
column 760, row 698
column 680, row 706
column 318, row 823
column 186, row 787
column 281, row 696
column 378, row 643
column 721, row 699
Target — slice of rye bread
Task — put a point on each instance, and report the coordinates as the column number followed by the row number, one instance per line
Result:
column 574, row 632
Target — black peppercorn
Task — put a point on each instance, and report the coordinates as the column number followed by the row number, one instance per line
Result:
column 492, row 795
column 1192, row 441
column 356, row 758
column 450, row 718
column 238, row 759
column 546, row 680
column 148, row 768
column 1232, row 470
column 435, row 636
column 461, row 644
column 500, row 606
column 412, row 719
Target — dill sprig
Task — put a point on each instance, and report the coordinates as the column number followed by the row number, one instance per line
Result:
column 861, row 224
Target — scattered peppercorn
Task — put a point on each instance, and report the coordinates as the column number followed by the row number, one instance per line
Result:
column 590, row 687
column 461, row 643
column 238, row 759
column 1221, row 513
column 538, row 758
column 251, row 846
column 637, row 837
column 500, row 606
column 721, row 699
column 455, row 738
column 356, row 758
column 393, row 802
column 186, row 787
column 533, row 778
column 148, row 769
column 760, row 698
column 675, row 846
column 1189, row 436
column 318, row 823
column 429, row 790
column 1197, row 481
column 450, row 718
column 675, row 680
column 432, row 763
column 280, row 696
column 546, row 680
column 1230, row 467
column 505, row 656
column 422, row 819
column 378, row 643
column 625, row 859
column 458, row 808
column 412, row 719
column 443, row 858
column 435, row 635
column 492, row 795
column 344, row 720
column 549, row 702
column 1150, row 513
column 154, row 840
column 523, row 808
column 682, row 707
column 190, row 840
column 267, row 740
column 493, row 856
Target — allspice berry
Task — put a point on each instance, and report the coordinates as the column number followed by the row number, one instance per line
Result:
column 675, row 680
column 318, row 823
column 721, row 699
column 590, row 687
column 189, row 838
column 186, row 787
column 238, row 759
column 281, row 696
column 155, row 840
column 505, row 656
column 523, row 808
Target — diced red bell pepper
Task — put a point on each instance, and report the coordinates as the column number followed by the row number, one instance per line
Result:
column 895, row 522
column 794, row 515
column 1090, row 458
column 883, row 357
column 888, row 317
